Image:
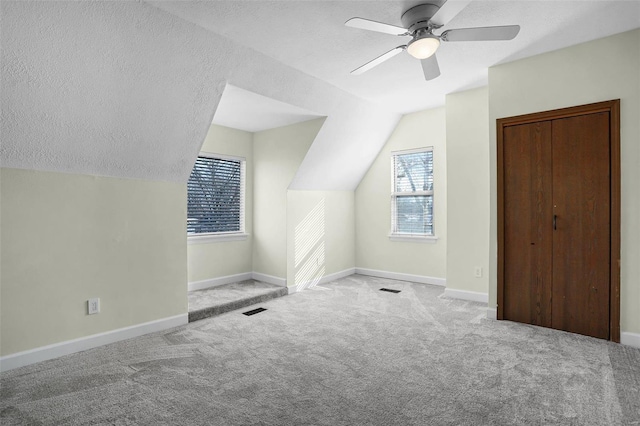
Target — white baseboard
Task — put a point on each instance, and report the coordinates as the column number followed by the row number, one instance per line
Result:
column 402, row 277
column 325, row 279
column 337, row 275
column 492, row 313
column 630, row 339
column 269, row 279
column 228, row 279
column 214, row 282
column 472, row 296
column 20, row 359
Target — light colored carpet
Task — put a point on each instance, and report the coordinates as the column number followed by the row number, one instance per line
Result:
column 345, row 355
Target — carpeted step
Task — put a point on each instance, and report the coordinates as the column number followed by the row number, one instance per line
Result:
column 210, row 311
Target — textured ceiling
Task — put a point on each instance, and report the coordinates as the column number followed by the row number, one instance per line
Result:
column 126, row 89
column 99, row 88
column 129, row 89
column 310, row 36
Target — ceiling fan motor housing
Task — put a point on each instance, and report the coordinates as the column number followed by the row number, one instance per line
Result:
column 418, row 17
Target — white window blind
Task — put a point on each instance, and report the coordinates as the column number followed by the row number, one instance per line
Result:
column 215, row 196
column 412, row 192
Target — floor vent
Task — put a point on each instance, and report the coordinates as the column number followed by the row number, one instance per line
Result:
column 390, row 290
column 254, row 311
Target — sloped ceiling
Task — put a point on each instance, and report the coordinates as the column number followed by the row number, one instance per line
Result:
column 244, row 110
column 129, row 89
column 310, row 36
column 125, row 89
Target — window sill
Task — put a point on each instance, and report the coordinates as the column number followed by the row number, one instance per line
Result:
column 216, row 238
column 428, row 239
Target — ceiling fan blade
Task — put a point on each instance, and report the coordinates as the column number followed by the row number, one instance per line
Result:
column 377, row 61
column 507, row 32
column 430, row 67
column 448, row 11
column 367, row 24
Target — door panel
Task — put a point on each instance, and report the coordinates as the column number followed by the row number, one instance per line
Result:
column 567, row 278
column 527, row 232
column 581, row 242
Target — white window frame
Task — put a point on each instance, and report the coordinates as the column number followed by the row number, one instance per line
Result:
column 394, row 235
column 212, row 237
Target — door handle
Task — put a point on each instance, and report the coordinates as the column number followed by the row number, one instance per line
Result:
column 555, row 222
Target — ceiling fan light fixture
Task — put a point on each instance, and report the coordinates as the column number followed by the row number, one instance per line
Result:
column 423, row 47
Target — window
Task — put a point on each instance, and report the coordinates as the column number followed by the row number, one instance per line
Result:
column 215, row 196
column 412, row 193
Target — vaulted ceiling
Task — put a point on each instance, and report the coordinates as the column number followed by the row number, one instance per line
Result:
column 129, row 89
column 310, row 36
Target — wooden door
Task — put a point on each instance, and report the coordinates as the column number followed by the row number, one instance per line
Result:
column 527, row 234
column 581, row 235
column 559, row 219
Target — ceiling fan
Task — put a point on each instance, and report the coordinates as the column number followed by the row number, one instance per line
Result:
column 419, row 23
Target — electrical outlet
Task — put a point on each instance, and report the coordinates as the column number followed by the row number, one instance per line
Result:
column 478, row 272
column 93, row 306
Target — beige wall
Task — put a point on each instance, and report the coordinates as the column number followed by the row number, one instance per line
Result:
column 600, row 70
column 374, row 250
column 277, row 154
column 467, row 188
column 67, row 238
column 222, row 258
column 320, row 235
